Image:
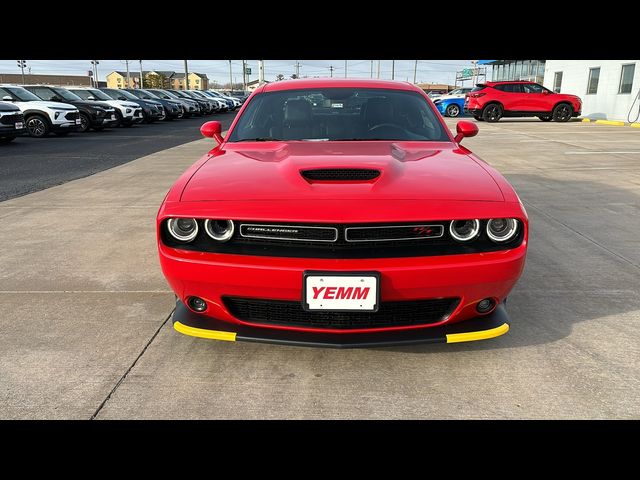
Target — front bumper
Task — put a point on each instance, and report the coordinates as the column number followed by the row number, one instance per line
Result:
column 11, row 130
column 476, row 112
column 489, row 326
column 65, row 127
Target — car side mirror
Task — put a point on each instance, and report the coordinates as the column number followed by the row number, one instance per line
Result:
column 7, row 98
column 465, row 129
column 91, row 97
column 212, row 130
column 546, row 92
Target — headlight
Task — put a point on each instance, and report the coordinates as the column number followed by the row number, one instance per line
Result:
column 502, row 229
column 183, row 229
column 219, row 230
column 464, row 230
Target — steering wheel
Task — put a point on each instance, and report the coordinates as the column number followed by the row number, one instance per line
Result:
column 388, row 126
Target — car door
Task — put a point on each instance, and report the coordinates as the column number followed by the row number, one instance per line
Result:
column 509, row 96
column 535, row 98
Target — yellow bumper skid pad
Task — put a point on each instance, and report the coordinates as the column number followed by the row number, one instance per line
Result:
column 197, row 325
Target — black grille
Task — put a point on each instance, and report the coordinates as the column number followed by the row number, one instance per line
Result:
column 72, row 115
column 289, row 232
column 11, row 119
column 341, row 174
column 390, row 314
column 391, row 233
column 373, row 246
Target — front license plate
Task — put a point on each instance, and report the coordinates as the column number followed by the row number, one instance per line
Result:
column 78, row 121
column 19, row 125
column 341, row 292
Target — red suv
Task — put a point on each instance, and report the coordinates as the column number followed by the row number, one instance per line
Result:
column 491, row 101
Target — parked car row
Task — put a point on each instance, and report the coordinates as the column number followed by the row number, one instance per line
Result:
column 490, row 101
column 38, row 110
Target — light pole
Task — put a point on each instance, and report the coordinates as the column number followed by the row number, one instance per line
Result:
column 371, row 68
column 331, row 70
column 415, row 71
column 22, row 64
column 141, row 81
column 230, row 78
column 244, row 75
column 393, row 69
column 378, row 68
column 186, row 76
column 128, row 77
column 345, row 69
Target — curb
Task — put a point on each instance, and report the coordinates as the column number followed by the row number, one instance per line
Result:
column 611, row 122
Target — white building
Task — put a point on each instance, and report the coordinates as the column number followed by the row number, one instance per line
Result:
column 607, row 88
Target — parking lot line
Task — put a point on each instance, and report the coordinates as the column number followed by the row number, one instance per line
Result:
column 599, row 152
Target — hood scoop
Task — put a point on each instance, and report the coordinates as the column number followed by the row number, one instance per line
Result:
column 340, row 175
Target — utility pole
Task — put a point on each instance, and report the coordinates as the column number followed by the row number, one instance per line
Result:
column 95, row 72
column 371, row 68
column 378, row 68
column 415, row 71
column 244, row 75
column 260, row 72
column 186, row 76
column 297, row 69
column 230, row 78
column 345, row 69
column 331, row 70
column 128, row 77
column 475, row 65
column 22, row 64
column 141, row 81
column 393, row 69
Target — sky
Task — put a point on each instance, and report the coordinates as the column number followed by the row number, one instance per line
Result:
column 428, row 71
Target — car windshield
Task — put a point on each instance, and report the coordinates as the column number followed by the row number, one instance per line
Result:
column 96, row 94
column 116, row 94
column 339, row 114
column 22, row 94
column 146, row 94
column 163, row 94
column 66, row 94
column 215, row 94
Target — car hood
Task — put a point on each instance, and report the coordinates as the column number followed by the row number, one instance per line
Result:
column 8, row 107
column 408, row 170
column 46, row 104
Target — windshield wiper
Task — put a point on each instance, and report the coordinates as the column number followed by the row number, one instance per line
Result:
column 259, row 139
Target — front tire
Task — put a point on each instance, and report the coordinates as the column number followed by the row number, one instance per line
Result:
column 85, row 123
column 38, row 126
column 453, row 110
column 492, row 112
column 563, row 112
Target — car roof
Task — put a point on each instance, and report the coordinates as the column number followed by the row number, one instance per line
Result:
column 309, row 83
column 491, row 84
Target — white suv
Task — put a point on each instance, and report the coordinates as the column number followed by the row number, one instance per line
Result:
column 128, row 113
column 42, row 117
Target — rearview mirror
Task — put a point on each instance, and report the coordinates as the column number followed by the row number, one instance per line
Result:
column 7, row 98
column 465, row 129
column 212, row 130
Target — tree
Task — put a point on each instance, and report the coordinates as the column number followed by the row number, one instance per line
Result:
column 279, row 77
column 155, row 80
column 294, row 76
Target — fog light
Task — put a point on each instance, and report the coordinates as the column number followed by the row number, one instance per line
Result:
column 197, row 304
column 485, row 305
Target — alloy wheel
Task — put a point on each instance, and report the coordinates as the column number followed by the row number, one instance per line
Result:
column 36, row 127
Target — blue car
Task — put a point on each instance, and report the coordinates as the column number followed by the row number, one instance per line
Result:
column 452, row 103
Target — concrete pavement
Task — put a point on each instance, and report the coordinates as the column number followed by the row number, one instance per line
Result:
column 84, row 330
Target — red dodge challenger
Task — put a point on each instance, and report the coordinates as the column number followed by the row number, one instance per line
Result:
column 341, row 213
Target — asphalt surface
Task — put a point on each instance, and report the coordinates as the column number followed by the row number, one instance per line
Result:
column 30, row 164
column 85, row 328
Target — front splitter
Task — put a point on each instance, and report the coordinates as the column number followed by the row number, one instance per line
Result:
column 189, row 323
